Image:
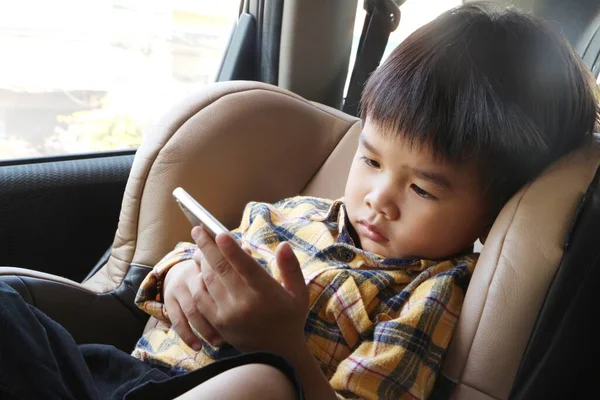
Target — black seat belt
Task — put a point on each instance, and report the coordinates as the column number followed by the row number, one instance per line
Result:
column 383, row 17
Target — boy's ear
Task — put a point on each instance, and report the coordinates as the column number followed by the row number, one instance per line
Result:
column 485, row 234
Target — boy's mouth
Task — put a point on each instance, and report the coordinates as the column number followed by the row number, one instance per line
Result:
column 371, row 232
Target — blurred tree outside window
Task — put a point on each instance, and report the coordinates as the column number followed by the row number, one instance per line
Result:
column 95, row 75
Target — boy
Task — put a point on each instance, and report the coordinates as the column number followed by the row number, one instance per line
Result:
column 358, row 298
column 462, row 114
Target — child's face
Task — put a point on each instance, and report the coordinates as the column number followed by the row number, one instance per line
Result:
column 403, row 203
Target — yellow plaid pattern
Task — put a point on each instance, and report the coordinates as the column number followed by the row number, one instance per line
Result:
column 378, row 327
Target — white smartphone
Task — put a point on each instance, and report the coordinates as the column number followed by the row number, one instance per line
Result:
column 196, row 214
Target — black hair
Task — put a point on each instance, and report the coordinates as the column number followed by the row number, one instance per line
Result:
column 492, row 84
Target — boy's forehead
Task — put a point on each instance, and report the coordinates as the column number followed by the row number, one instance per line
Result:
column 388, row 138
column 384, row 139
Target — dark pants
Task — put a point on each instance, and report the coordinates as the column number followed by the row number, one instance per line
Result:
column 40, row 360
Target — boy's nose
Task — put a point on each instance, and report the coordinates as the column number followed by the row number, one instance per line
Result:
column 381, row 203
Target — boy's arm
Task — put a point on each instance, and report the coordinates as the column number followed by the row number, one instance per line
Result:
column 401, row 358
column 150, row 294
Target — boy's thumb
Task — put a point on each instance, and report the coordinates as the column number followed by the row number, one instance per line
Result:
column 290, row 271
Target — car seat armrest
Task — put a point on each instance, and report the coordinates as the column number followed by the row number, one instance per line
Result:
column 90, row 317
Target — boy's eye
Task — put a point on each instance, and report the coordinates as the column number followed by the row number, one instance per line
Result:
column 423, row 193
column 370, row 162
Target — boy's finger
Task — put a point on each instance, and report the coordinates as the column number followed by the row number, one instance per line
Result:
column 196, row 317
column 206, row 303
column 181, row 326
column 198, row 258
column 247, row 249
column 290, row 271
column 219, row 276
column 203, row 328
column 246, row 267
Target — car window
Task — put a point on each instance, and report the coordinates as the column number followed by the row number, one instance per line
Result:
column 414, row 14
column 86, row 76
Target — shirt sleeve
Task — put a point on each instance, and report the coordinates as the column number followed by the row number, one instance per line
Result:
column 149, row 296
column 400, row 358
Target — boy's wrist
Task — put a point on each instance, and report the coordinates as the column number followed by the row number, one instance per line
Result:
column 295, row 349
column 314, row 383
column 161, row 282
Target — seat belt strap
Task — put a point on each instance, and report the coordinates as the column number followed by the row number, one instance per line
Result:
column 383, row 17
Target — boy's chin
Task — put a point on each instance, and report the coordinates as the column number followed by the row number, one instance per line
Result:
column 383, row 250
column 376, row 248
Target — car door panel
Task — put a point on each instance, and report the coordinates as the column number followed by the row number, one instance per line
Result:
column 60, row 215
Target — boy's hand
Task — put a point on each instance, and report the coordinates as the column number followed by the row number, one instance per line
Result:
column 248, row 307
column 183, row 285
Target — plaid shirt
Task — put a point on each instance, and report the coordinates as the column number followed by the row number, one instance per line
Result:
column 378, row 327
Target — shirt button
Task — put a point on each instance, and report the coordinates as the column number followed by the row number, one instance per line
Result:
column 346, row 255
